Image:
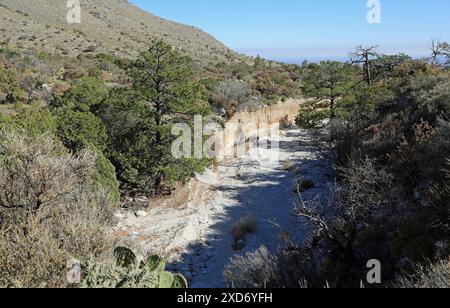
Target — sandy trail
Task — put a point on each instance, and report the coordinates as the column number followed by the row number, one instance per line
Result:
column 198, row 235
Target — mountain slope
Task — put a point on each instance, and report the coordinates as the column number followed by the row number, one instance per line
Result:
column 106, row 26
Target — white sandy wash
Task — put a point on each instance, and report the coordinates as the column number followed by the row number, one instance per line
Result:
column 196, row 234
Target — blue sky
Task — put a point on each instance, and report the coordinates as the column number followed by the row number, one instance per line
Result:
column 311, row 28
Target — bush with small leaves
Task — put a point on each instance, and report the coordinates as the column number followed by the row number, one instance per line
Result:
column 80, row 130
column 83, row 96
column 230, row 94
column 253, row 270
column 10, row 90
column 50, row 211
column 33, row 119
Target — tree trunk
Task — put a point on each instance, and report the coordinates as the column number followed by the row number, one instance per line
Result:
column 368, row 72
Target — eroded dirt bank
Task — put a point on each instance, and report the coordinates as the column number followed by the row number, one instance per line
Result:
column 193, row 227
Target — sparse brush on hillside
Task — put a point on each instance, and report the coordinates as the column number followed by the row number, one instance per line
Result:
column 243, row 87
column 10, row 90
column 113, row 27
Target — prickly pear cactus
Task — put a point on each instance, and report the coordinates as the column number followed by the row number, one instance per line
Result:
column 125, row 257
column 127, row 273
column 179, row 282
column 155, row 264
column 166, row 280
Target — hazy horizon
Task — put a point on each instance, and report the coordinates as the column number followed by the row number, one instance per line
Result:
column 299, row 29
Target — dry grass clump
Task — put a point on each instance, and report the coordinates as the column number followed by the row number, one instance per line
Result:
column 434, row 276
column 50, row 211
column 254, row 270
column 243, row 227
column 262, row 269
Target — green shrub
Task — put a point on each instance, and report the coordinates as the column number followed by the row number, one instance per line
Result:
column 139, row 119
column 79, row 130
column 34, row 119
column 83, row 96
column 309, row 117
column 105, row 177
column 181, row 170
column 130, row 128
column 10, row 90
column 83, row 130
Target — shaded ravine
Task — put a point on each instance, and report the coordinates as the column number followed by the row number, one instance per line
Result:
column 198, row 238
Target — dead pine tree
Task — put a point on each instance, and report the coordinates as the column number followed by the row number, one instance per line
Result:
column 365, row 56
column 438, row 50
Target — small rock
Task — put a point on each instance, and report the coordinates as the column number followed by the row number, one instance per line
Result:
column 221, row 111
column 141, row 214
column 134, row 234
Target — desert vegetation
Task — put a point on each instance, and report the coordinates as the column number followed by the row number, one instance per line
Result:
column 86, row 113
column 79, row 135
column 388, row 118
column 52, row 210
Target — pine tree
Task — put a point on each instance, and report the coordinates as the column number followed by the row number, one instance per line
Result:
column 163, row 79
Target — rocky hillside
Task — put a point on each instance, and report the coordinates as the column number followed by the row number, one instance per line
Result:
column 113, row 26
